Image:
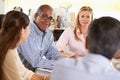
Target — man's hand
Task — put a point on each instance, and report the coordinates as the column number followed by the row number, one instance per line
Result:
column 66, row 54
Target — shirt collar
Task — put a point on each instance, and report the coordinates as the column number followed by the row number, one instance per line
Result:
column 98, row 59
column 79, row 34
column 36, row 29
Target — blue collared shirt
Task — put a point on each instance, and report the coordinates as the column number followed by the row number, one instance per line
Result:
column 40, row 50
column 90, row 67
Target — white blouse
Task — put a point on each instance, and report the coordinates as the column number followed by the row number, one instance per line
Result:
column 69, row 44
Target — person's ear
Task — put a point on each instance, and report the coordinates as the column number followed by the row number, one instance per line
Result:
column 86, row 43
column 117, row 56
column 23, row 31
column 35, row 15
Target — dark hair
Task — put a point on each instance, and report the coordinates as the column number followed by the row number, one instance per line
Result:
column 42, row 7
column 12, row 24
column 104, row 37
column 1, row 18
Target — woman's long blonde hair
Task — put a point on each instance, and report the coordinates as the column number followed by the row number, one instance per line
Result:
column 77, row 25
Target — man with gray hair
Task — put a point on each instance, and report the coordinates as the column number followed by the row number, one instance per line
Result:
column 40, row 50
column 103, row 43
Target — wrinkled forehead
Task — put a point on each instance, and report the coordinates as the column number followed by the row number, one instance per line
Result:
column 47, row 11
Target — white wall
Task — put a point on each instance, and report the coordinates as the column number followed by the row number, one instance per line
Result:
column 100, row 7
column 2, row 7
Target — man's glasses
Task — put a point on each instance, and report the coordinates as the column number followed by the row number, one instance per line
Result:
column 45, row 16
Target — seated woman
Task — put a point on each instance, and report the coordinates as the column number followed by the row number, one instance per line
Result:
column 15, row 30
column 72, row 40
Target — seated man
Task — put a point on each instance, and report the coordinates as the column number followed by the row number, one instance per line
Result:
column 40, row 50
column 103, row 43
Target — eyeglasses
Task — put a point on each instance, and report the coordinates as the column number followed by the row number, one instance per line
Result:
column 45, row 16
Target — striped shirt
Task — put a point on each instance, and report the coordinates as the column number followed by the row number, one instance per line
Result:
column 40, row 50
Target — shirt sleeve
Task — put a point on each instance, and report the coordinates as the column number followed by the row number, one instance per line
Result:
column 36, row 59
column 63, row 40
column 65, row 69
column 52, row 52
column 35, row 54
column 14, row 69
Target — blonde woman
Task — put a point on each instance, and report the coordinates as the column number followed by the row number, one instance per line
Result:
column 15, row 31
column 72, row 40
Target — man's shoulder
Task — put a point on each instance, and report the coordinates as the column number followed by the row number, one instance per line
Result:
column 67, row 62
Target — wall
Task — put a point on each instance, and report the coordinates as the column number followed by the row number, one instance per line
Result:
column 2, row 6
column 100, row 7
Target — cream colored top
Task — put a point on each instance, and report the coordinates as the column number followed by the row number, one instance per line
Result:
column 13, row 67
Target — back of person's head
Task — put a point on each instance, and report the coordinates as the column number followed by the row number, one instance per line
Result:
column 43, row 7
column 13, row 23
column 104, row 37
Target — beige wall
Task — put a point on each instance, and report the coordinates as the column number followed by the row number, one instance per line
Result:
column 2, row 7
column 100, row 7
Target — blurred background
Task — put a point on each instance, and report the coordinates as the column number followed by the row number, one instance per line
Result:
column 65, row 9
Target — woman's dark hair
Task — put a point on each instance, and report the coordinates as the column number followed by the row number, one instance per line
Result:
column 12, row 24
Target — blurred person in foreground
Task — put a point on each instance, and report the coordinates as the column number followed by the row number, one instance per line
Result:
column 15, row 31
column 103, row 43
column 72, row 40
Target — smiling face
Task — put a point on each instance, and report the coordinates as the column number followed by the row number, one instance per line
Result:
column 43, row 19
column 85, row 18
